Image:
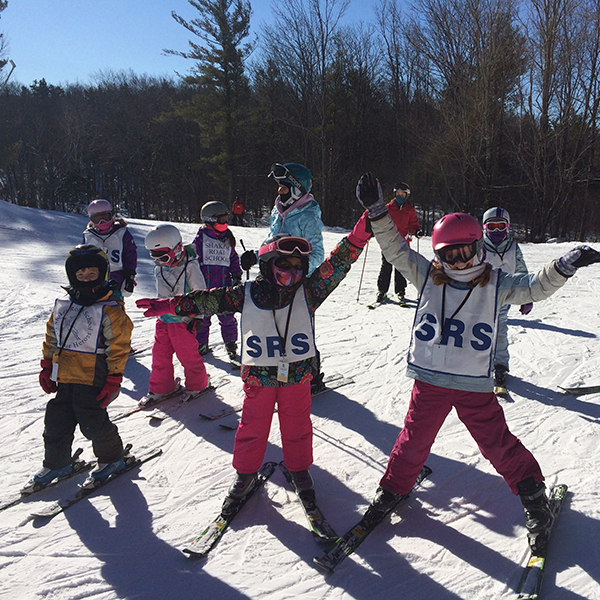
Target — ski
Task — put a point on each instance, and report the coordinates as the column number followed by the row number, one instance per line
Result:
column 212, row 416
column 321, row 529
column 580, row 390
column 78, row 467
column 352, row 539
column 202, row 545
column 531, row 580
column 404, row 303
column 131, row 462
column 145, row 403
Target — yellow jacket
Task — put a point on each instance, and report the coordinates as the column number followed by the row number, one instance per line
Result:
column 88, row 342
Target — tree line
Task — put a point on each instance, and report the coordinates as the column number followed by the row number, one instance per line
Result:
column 474, row 103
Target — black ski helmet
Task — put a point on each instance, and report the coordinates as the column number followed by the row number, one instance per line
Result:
column 83, row 256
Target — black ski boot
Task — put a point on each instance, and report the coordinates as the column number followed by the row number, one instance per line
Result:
column 241, row 485
column 303, row 482
column 500, row 372
column 231, row 348
column 383, row 502
column 538, row 516
column 380, row 297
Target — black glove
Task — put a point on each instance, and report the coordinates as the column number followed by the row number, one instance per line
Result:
column 582, row 256
column 248, row 260
column 419, row 233
column 370, row 196
column 236, row 279
column 129, row 281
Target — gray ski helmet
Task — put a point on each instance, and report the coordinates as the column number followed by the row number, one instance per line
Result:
column 84, row 256
column 211, row 211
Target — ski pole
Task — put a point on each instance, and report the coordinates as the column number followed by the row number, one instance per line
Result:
column 248, row 270
column 363, row 270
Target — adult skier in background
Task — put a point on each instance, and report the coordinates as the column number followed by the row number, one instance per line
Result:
column 220, row 265
column 110, row 233
column 85, row 350
column 297, row 213
column 405, row 217
column 502, row 252
column 451, row 352
column 278, row 346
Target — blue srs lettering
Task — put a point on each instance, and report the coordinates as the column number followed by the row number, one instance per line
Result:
column 299, row 344
column 424, row 331
column 114, row 256
column 479, row 331
column 274, row 345
column 254, row 349
column 453, row 328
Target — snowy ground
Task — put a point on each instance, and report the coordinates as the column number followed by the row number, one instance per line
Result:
column 461, row 536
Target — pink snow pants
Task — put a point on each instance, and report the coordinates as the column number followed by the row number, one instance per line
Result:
column 484, row 418
column 294, row 424
column 175, row 338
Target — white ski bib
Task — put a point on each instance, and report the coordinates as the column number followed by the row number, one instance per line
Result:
column 78, row 328
column 465, row 344
column 215, row 253
column 507, row 261
column 111, row 244
column 263, row 331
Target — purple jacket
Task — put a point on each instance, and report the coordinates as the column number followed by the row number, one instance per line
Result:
column 217, row 275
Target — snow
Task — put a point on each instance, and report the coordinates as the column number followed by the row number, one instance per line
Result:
column 460, row 536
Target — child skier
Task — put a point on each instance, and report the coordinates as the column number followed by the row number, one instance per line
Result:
column 277, row 347
column 451, row 351
column 220, row 265
column 110, row 233
column 297, row 213
column 176, row 272
column 84, row 354
column 502, row 252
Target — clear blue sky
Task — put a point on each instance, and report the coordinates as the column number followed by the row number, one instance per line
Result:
column 68, row 41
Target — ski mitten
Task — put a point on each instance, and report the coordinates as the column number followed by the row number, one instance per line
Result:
column 248, row 260
column 110, row 390
column 581, row 256
column 154, row 307
column 370, row 196
column 129, row 282
column 525, row 309
column 48, row 385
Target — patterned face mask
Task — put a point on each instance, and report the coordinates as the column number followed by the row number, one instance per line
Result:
column 286, row 275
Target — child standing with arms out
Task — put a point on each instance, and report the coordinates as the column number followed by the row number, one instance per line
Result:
column 220, row 265
column 278, row 345
column 110, row 233
column 176, row 272
column 451, row 352
column 84, row 354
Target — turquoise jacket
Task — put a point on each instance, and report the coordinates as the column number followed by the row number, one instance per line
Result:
column 302, row 219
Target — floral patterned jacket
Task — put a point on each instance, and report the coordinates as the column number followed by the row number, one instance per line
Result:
column 317, row 287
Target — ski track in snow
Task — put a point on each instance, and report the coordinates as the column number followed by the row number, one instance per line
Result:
column 460, row 536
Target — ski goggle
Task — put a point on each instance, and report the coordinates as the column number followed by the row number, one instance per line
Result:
column 495, row 226
column 288, row 245
column 103, row 217
column 457, row 253
column 280, row 172
column 166, row 256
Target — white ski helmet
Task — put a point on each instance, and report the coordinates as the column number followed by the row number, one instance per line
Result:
column 164, row 244
column 211, row 211
column 496, row 214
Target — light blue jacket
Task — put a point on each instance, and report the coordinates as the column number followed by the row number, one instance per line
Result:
column 302, row 219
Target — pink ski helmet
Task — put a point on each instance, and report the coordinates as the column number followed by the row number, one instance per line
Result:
column 453, row 231
column 102, row 215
